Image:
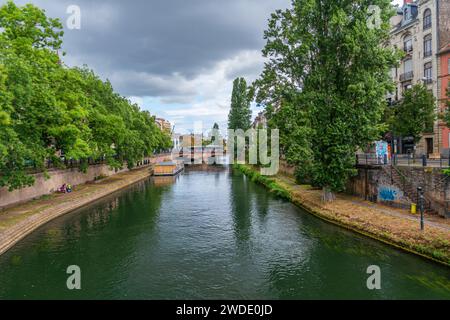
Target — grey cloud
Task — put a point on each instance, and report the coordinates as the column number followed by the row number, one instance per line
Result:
column 160, row 38
column 133, row 83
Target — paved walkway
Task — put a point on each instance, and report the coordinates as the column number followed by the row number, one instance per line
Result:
column 405, row 214
column 19, row 221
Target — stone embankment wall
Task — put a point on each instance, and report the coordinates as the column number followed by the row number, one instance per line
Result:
column 55, row 179
column 397, row 186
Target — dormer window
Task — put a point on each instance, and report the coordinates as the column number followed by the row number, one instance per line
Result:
column 409, row 13
column 427, row 19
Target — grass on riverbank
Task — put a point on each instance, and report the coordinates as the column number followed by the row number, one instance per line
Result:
column 271, row 184
column 433, row 243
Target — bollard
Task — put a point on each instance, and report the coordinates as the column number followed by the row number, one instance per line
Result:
column 424, row 160
column 420, row 192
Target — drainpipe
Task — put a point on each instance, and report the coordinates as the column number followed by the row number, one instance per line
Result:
column 437, row 28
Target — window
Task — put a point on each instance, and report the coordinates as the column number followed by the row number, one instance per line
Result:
column 407, row 66
column 408, row 73
column 427, row 47
column 407, row 43
column 428, row 73
column 427, row 19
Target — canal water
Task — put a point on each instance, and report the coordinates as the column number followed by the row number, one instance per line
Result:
column 208, row 234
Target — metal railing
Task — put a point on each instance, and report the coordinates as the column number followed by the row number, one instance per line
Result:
column 64, row 163
column 407, row 48
column 405, row 160
column 428, row 80
column 407, row 76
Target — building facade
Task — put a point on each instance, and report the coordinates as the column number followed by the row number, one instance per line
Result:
column 419, row 29
column 164, row 125
column 443, row 78
column 444, row 63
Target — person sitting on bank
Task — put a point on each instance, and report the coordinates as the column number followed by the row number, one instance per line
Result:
column 62, row 189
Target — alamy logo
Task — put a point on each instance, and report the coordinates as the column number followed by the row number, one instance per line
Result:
column 374, row 20
column 252, row 145
column 74, row 20
column 374, row 280
column 74, row 280
column 256, row 147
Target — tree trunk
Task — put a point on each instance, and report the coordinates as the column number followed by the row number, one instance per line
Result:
column 327, row 195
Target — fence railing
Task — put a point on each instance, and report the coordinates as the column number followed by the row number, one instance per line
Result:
column 405, row 160
column 71, row 163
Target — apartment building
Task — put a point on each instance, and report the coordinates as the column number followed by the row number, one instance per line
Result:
column 164, row 125
column 419, row 29
column 444, row 63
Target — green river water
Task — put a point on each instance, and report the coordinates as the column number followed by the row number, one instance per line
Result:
column 208, row 235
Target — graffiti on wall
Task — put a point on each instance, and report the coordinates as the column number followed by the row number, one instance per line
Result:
column 389, row 193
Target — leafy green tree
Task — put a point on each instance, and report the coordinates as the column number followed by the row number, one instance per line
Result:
column 294, row 132
column 414, row 114
column 47, row 109
column 240, row 113
column 31, row 25
column 328, row 65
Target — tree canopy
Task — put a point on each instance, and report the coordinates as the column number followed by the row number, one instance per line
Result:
column 326, row 79
column 48, row 109
column 414, row 114
column 240, row 113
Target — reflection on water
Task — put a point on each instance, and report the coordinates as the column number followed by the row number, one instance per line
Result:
column 161, row 181
column 208, row 233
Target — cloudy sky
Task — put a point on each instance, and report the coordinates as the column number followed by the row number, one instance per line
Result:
column 176, row 58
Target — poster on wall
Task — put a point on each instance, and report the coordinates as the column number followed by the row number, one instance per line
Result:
column 382, row 151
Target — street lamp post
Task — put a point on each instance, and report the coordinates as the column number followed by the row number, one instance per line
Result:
column 420, row 192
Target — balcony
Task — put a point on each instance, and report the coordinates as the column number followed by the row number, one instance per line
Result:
column 407, row 76
column 408, row 48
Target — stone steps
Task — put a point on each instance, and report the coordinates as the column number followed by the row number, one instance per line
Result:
column 409, row 190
